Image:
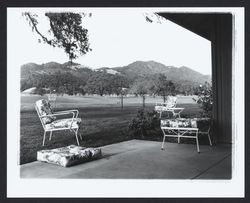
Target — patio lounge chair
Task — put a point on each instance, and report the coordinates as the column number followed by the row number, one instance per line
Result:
column 51, row 123
column 169, row 106
column 181, row 127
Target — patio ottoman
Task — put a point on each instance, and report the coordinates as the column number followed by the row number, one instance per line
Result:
column 69, row 156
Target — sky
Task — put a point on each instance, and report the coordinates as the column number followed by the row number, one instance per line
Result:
column 117, row 38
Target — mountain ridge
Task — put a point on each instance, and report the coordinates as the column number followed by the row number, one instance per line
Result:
column 145, row 68
column 134, row 70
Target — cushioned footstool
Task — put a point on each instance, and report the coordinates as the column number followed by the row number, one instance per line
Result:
column 69, row 156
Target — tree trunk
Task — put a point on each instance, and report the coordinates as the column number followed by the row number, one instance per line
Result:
column 143, row 101
column 142, row 134
column 122, row 101
column 164, row 98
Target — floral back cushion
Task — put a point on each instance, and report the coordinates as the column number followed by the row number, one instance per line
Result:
column 171, row 101
column 201, row 123
column 179, row 123
column 43, row 107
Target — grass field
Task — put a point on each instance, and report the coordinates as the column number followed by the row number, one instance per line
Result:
column 103, row 121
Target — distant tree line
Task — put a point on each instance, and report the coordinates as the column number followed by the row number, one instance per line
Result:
column 103, row 83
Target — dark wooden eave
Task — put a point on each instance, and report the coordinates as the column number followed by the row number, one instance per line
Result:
column 199, row 23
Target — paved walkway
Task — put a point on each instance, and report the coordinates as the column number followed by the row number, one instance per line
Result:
column 138, row 159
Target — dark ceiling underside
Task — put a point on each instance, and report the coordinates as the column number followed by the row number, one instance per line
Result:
column 199, row 23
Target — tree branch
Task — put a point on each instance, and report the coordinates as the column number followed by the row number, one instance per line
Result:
column 35, row 27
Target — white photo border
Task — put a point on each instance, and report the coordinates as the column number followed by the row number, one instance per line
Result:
column 18, row 187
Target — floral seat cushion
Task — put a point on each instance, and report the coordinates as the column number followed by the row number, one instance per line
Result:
column 200, row 123
column 69, row 156
column 163, row 107
column 44, row 108
column 64, row 123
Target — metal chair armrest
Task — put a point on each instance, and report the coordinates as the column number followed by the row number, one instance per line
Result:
column 176, row 108
column 69, row 111
column 57, row 114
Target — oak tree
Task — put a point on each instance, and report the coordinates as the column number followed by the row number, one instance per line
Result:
column 66, row 30
column 163, row 87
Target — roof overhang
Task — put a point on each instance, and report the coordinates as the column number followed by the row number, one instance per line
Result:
column 199, row 23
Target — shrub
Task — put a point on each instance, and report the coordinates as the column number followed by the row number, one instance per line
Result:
column 143, row 122
column 205, row 99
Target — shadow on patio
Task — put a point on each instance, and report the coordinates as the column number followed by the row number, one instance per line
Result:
column 137, row 159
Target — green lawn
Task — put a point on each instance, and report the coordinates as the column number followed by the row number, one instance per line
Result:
column 103, row 122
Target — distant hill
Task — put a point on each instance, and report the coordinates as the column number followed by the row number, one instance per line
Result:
column 143, row 69
column 34, row 75
column 132, row 71
column 29, row 69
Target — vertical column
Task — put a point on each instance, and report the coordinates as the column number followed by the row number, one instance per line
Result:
column 221, row 38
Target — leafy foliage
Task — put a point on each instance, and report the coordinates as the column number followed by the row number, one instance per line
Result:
column 185, row 88
column 98, row 84
column 67, row 32
column 143, row 122
column 205, row 99
column 103, row 83
column 40, row 91
column 141, row 88
column 119, row 84
column 163, row 87
column 58, row 81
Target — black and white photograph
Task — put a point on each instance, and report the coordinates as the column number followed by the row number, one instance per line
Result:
column 138, row 102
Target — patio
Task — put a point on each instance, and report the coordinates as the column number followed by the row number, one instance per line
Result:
column 137, row 159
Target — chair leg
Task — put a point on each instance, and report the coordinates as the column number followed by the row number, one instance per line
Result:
column 44, row 137
column 50, row 135
column 164, row 137
column 179, row 114
column 162, row 145
column 77, row 137
column 80, row 136
column 210, row 142
column 178, row 137
column 174, row 114
column 197, row 142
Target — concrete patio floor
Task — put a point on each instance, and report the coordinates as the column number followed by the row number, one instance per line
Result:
column 137, row 159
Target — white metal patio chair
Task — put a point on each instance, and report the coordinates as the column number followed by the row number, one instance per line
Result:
column 169, row 106
column 50, row 122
